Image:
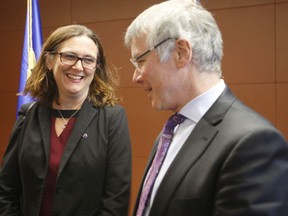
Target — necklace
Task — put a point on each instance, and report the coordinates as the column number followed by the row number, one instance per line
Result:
column 66, row 122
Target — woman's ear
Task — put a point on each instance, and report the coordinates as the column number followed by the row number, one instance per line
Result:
column 184, row 52
column 49, row 61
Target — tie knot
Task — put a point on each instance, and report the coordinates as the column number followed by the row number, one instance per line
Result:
column 172, row 122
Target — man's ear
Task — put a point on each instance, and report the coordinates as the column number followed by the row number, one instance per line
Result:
column 184, row 52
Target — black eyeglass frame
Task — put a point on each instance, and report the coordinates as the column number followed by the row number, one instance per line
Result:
column 134, row 60
column 78, row 58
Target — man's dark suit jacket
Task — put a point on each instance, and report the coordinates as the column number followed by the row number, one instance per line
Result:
column 234, row 163
column 94, row 172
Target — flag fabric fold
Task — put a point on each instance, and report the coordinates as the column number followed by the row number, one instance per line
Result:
column 32, row 46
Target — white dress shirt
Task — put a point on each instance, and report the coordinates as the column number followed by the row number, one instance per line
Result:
column 193, row 111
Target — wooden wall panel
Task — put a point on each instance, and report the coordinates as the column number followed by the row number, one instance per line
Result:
column 249, row 44
column 55, row 13
column 12, row 16
column 255, row 59
column 224, row 4
column 260, row 97
column 10, row 56
column 282, row 42
column 91, row 11
column 111, row 34
column 282, row 104
column 7, row 118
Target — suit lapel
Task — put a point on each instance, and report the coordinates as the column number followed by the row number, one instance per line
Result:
column 150, row 160
column 196, row 144
column 84, row 118
column 192, row 149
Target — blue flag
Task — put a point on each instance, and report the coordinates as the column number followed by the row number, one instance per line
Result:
column 31, row 47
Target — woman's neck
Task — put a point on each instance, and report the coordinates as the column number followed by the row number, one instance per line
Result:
column 67, row 104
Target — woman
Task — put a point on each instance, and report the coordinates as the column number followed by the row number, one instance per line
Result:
column 71, row 155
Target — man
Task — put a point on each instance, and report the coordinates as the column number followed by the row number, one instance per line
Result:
column 224, row 159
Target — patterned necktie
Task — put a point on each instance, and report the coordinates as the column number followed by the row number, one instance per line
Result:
column 164, row 143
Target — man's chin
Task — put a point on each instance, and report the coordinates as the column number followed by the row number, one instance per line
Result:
column 156, row 106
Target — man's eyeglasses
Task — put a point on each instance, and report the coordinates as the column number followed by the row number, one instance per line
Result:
column 135, row 60
column 71, row 59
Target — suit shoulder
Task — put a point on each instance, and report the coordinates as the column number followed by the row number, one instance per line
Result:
column 244, row 113
column 241, row 119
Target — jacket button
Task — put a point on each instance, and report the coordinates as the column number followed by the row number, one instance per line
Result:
column 58, row 189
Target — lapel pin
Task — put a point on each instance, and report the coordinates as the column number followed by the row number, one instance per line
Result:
column 85, row 135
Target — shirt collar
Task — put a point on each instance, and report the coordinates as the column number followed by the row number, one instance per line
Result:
column 197, row 107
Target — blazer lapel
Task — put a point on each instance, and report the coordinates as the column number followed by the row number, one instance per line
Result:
column 44, row 119
column 197, row 142
column 84, row 118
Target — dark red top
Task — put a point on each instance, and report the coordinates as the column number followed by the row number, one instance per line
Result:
column 57, row 145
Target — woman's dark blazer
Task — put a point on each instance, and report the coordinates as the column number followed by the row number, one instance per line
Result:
column 94, row 172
